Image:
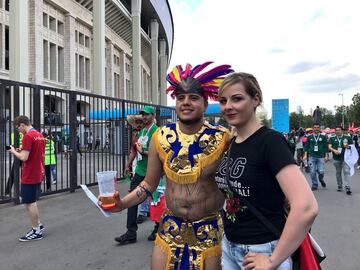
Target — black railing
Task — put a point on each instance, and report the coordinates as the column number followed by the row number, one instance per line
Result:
column 77, row 159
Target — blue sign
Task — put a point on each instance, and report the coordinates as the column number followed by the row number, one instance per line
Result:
column 280, row 115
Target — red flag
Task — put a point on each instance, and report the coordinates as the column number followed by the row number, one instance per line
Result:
column 308, row 259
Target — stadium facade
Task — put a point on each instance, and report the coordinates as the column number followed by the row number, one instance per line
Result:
column 115, row 48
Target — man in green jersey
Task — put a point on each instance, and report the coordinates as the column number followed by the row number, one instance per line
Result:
column 337, row 145
column 317, row 149
column 142, row 147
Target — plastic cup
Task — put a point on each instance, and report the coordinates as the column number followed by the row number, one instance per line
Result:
column 106, row 181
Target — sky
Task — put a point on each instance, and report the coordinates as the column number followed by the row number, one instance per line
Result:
column 307, row 51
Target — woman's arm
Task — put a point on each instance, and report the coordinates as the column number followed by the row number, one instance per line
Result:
column 303, row 210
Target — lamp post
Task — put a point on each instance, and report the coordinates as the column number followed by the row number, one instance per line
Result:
column 342, row 108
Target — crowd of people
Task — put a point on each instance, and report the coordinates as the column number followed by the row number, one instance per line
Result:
column 315, row 147
column 209, row 190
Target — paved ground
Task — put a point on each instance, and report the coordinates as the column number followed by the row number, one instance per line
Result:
column 77, row 236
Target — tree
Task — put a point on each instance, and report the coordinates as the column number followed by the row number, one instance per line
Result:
column 338, row 115
column 262, row 115
column 266, row 122
column 295, row 120
column 308, row 121
column 328, row 118
column 354, row 110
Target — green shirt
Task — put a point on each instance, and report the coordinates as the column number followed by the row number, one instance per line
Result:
column 144, row 138
column 291, row 140
column 338, row 144
column 316, row 145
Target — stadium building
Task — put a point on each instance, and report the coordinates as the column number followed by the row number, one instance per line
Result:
column 114, row 48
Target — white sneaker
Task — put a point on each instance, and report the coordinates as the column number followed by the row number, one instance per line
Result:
column 30, row 236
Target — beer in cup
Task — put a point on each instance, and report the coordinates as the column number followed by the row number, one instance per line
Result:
column 106, row 181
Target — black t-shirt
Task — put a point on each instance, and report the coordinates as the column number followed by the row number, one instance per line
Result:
column 253, row 166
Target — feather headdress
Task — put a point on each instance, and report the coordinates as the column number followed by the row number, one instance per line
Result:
column 189, row 80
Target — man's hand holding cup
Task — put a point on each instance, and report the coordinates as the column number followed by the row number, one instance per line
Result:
column 118, row 206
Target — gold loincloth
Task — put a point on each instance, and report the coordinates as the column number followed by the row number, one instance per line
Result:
column 189, row 243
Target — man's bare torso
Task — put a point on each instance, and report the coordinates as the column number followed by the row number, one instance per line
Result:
column 195, row 201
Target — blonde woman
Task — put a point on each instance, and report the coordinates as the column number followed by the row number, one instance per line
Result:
column 261, row 169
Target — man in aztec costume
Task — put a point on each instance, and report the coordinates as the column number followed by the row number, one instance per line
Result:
column 188, row 152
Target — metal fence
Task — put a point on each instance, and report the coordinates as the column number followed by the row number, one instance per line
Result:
column 90, row 133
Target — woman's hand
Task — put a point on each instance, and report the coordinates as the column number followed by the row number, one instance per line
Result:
column 258, row 261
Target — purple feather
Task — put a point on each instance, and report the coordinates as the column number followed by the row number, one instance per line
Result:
column 199, row 68
column 214, row 73
column 211, row 88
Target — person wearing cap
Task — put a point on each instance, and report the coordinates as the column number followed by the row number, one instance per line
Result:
column 188, row 152
column 143, row 211
column 142, row 151
column 136, row 122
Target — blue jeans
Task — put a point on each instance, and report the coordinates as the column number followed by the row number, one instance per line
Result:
column 144, row 208
column 316, row 166
column 233, row 254
column 53, row 172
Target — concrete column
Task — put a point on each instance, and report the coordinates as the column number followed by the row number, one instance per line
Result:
column 110, row 91
column 136, row 49
column 19, row 41
column 36, row 55
column 99, row 47
column 122, row 75
column 2, row 46
column 163, row 69
column 69, row 52
column 19, row 50
column 154, row 31
column 143, row 91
